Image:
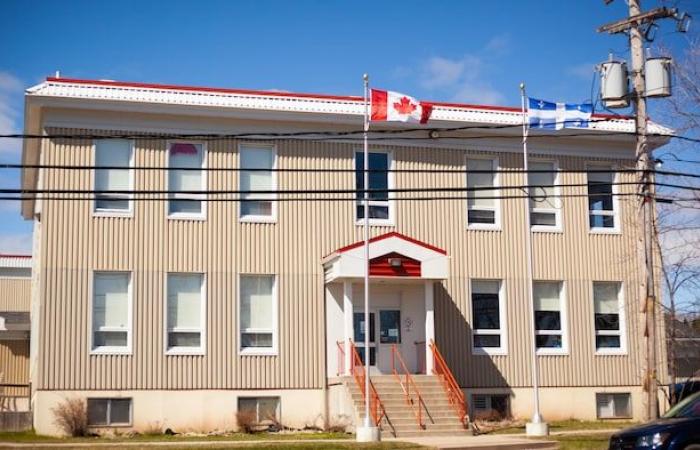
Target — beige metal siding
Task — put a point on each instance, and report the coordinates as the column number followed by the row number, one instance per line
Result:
column 148, row 244
column 15, row 294
column 14, row 364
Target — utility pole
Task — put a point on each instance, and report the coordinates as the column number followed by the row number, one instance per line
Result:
column 636, row 25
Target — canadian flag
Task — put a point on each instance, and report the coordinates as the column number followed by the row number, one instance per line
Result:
column 397, row 107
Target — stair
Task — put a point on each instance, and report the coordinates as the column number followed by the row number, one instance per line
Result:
column 440, row 419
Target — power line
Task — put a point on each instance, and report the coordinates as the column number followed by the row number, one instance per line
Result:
column 313, row 199
column 324, row 170
column 319, row 170
column 354, row 191
column 215, row 136
column 343, row 136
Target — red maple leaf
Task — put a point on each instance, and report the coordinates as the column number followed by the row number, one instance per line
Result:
column 404, row 106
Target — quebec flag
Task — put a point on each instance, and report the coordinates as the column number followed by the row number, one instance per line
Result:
column 555, row 116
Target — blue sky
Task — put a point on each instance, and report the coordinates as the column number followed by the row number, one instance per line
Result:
column 464, row 51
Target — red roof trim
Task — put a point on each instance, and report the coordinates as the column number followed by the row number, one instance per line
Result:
column 202, row 89
column 4, row 255
column 389, row 235
column 352, row 98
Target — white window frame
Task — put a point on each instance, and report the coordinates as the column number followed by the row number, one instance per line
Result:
column 390, row 182
column 112, row 350
column 615, row 213
column 248, row 351
column 502, row 317
column 563, row 311
column 201, row 197
column 557, row 200
column 622, row 332
column 109, row 423
column 495, row 165
column 202, row 349
column 129, row 212
column 253, row 218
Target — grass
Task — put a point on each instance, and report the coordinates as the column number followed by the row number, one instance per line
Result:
column 31, row 436
column 570, row 425
column 580, row 442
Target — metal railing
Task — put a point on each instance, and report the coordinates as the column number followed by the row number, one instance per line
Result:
column 407, row 383
column 357, row 369
column 454, row 394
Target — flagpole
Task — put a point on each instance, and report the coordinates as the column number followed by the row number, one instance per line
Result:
column 536, row 427
column 369, row 432
column 366, row 237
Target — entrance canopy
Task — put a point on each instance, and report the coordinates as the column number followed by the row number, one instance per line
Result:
column 392, row 255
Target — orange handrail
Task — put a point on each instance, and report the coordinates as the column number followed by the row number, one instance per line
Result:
column 454, row 394
column 376, row 408
column 395, row 354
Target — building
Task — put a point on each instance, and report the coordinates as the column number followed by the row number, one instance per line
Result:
column 183, row 309
column 15, row 287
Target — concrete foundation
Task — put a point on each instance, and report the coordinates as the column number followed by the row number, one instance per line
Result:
column 183, row 411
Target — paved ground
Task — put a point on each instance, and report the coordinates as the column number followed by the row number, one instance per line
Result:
column 483, row 442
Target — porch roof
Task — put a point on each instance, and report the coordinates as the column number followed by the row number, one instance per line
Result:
column 397, row 250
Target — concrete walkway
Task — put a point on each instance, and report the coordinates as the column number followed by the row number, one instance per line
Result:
column 482, row 442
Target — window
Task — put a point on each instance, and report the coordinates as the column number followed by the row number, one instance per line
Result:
column 184, row 158
column 111, row 312
column 488, row 317
column 265, row 409
column 607, row 306
column 390, row 327
column 114, row 154
column 257, row 206
column 613, row 406
column 482, row 211
column 601, row 203
column 109, row 412
column 258, row 319
column 544, row 213
column 186, row 313
column 550, row 317
column 491, row 406
column 378, row 201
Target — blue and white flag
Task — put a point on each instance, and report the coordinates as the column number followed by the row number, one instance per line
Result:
column 555, row 116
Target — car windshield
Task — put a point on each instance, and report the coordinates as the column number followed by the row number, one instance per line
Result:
column 689, row 407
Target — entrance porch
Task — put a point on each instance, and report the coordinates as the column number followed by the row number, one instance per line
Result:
column 403, row 272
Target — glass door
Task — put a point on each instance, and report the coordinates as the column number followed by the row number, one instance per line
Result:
column 359, row 336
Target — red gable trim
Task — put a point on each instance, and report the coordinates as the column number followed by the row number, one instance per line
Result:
column 5, row 255
column 389, row 235
column 380, row 266
column 352, row 98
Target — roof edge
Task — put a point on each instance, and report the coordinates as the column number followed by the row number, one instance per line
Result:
column 284, row 94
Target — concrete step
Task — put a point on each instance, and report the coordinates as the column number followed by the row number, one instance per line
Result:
column 434, row 404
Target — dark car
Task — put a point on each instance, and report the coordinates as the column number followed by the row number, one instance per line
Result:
column 678, row 429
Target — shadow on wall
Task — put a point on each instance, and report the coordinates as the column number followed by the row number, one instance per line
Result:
column 453, row 337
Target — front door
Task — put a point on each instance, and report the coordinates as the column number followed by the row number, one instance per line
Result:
column 389, row 335
column 359, row 336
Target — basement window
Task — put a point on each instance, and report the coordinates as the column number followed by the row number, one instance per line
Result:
column 613, row 406
column 491, row 406
column 109, row 412
column 265, row 409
